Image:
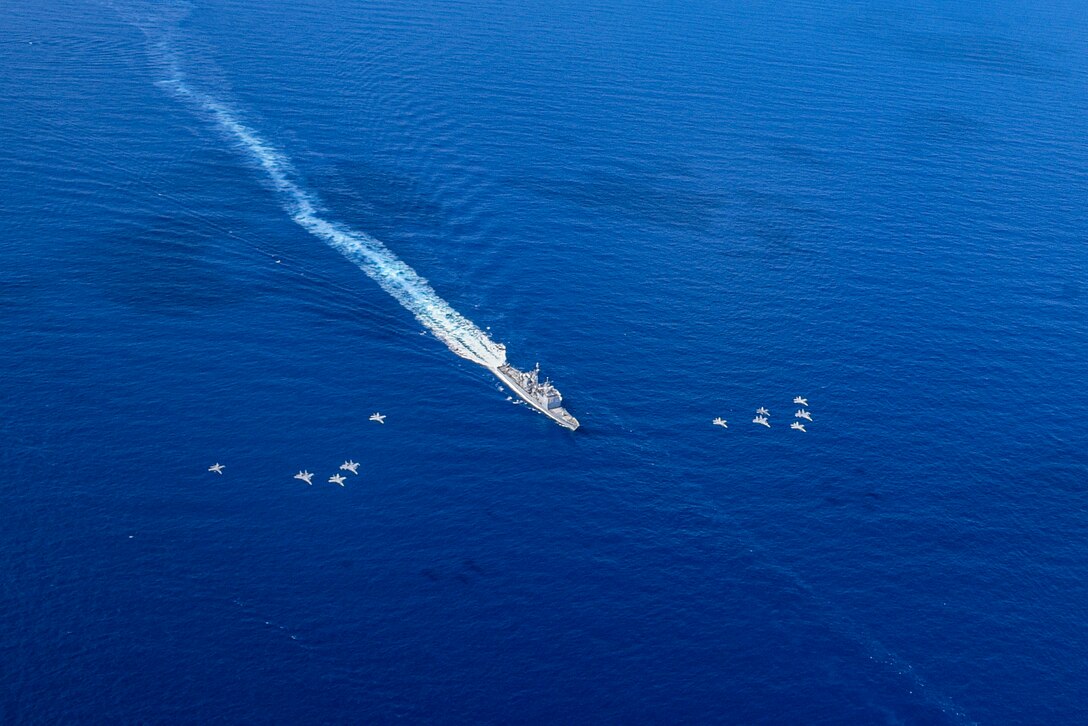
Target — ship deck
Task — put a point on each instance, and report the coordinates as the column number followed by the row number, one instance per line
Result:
column 560, row 415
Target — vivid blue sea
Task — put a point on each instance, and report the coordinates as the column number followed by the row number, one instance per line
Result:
column 682, row 210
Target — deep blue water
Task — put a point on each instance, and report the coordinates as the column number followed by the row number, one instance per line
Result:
column 682, row 210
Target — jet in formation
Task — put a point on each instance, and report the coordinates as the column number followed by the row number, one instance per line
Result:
column 337, row 479
column 218, row 468
column 797, row 425
column 803, row 414
column 762, row 411
column 801, row 401
column 762, row 420
column 379, row 417
column 349, row 465
column 720, row 422
column 306, row 477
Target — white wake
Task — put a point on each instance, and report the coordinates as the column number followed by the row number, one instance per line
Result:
column 375, row 259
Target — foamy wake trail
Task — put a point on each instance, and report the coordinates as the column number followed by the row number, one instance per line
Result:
column 375, row 259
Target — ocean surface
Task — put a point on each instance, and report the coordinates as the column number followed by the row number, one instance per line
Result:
column 230, row 231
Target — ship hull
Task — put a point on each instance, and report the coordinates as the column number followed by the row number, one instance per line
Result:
column 559, row 415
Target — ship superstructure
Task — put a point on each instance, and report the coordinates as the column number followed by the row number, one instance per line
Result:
column 541, row 395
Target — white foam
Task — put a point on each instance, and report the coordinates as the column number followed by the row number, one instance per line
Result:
column 375, row 259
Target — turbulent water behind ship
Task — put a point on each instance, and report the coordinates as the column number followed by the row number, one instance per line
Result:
column 460, row 334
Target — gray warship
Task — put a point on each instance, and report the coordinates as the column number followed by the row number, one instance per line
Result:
column 542, row 396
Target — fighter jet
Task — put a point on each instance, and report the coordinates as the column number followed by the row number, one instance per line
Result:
column 762, row 420
column 379, row 417
column 803, row 414
column 797, row 425
column 218, row 468
column 720, row 422
column 305, row 476
column 762, row 411
column 351, row 466
column 337, row 479
column 801, row 401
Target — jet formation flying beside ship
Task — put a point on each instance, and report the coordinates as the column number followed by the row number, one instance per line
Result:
column 763, row 416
